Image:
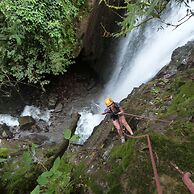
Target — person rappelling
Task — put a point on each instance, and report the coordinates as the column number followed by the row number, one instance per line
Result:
column 116, row 113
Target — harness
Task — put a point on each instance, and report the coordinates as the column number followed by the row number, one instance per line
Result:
column 113, row 114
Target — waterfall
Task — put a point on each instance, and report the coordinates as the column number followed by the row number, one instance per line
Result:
column 141, row 54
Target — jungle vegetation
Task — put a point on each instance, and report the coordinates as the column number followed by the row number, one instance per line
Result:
column 37, row 38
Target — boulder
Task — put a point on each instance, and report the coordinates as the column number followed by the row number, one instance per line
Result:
column 52, row 101
column 26, row 122
column 5, row 132
column 59, row 108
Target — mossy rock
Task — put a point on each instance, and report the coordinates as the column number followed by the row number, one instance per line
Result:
column 4, row 152
column 183, row 102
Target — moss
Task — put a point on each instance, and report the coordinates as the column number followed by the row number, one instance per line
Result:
column 95, row 186
column 119, row 159
column 132, row 169
column 165, row 149
column 140, row 177
column 170, row 150
column 129, row 169
column 181, row 130
column 116, row 188
column 108, row 178
column 4, row 152
column 183, row 102
column 123, row 152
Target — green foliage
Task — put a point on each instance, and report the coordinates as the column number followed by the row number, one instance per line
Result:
column 68, row 135
column 61, row 178
column 137, row 12
column 4, row 152
column 38, row 37
column 36, row 190
column 16, row 173
column 56, row 180
column 19, row 173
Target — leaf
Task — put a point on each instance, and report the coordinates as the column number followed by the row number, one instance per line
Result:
column 56, row 164
column 47, row 174
column 36, row 190
column 42, row 180
column 75, row 137
column 66, row 179
column 67, row 134
column 27, row 158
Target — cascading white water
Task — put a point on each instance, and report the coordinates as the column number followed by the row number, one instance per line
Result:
column 36, row 113
column 32, row 111
column 140, row 56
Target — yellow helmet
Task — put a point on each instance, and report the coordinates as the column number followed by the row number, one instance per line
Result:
column 108, row 101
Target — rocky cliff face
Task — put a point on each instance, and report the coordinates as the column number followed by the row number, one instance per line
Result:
column 95, row 30
column 166, row 107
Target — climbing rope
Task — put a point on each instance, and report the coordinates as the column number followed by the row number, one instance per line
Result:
column 156, row 177
column 185, row 178
column 143, row 117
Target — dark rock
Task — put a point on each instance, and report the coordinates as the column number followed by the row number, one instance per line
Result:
column 26, row 122
column 46, row 129
column 35, row 128
column 59, row 107
column 91, row 85
column 36, row 138
column 5, row 132
column 64, row 145
column 52, row 101
column 191, row 119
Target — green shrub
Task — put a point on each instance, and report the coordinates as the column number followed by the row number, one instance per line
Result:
column 38, row 37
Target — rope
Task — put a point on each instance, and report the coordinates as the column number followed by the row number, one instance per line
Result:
column 142, row 117
column 156, row 177
column 185, row 178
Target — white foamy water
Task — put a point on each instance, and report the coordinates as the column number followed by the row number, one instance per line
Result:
column 8, row 120
column 36, row 113
column 88, row 119
column 32, row 111
column 138, row 63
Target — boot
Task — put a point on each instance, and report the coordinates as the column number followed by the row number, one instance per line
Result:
column 122, row 139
